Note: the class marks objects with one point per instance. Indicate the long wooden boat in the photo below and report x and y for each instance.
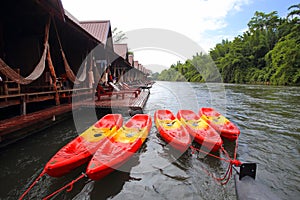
(202, 132)
(81, 149)
(171, 130)
(124, 143)
(220, 123)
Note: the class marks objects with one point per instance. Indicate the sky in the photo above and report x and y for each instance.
(204, 22)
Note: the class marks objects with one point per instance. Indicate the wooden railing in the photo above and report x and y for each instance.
(24, 98)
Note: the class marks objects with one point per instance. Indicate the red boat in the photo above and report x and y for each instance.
(124, 143)
(81, 149)
(220, 123)
(171, 130)
(202, 133)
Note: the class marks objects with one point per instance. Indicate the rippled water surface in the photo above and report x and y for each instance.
(267, 116)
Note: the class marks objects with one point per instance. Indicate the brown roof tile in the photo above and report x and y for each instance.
(99, 29)
(121, 50)
(79, 26)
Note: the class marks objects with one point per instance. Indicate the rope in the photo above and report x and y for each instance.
(212, 155)
(225, 152)
(223, 180)
(70, 74)
(53, 76)
(69, 186)
(232, 162)
(33, 184)
(38, 70)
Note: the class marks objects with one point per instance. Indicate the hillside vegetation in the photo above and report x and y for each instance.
(268, 52)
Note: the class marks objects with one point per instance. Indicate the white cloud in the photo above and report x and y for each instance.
(151, 59)
(191, 18)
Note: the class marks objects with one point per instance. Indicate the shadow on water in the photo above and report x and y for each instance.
(105, 188)
(24, 160)
(109, 186)
(208, 161)
(174, 156)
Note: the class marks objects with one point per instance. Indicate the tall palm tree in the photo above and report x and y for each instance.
(118, 36)
(295, 11)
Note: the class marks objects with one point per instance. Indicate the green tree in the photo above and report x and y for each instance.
(268, 52)
(284, 60)
(118, 36)
(295, 11)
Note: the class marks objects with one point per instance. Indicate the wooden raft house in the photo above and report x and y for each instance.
(51, 63)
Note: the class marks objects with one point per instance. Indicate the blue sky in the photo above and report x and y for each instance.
(205, 22)
(237, 21)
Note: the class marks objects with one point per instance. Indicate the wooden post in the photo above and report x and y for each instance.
(23, 105)
(1, 39)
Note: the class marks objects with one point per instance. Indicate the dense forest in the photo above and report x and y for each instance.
(268, 52)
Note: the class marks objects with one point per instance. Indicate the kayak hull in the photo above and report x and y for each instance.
(200, 131)
(120, 148)
(220, 123)
(171, 130)
(81, 149)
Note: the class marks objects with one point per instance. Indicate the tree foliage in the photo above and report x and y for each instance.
(118, 36)
(268, 52)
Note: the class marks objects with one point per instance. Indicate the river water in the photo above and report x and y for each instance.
(267, 116)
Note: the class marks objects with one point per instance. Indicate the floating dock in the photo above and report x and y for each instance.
(15, 128)
(129, 101)
(40, 73)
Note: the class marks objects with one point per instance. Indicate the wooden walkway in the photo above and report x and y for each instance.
(129, 101)
(15, 128)
(24, 98)
(18, 127)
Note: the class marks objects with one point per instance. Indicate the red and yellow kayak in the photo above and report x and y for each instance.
(202, 133)
(81, 149)
(122, 145)
(220, 123)
(171, 130)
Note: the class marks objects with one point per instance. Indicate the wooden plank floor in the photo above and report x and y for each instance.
(19, 122)
(21, 125)
(129, 101)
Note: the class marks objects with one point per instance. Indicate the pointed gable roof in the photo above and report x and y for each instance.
(121, 50)
(99, 29)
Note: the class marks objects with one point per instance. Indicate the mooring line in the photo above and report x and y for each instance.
(33, 184)
(232, 162)
(69, 186)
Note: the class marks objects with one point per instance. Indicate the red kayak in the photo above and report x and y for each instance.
(202, 133)
(171, 130)
(220, 123)
(124, 143)
(81, 149)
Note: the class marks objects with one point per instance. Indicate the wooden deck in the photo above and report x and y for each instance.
(18, 127)
(129, 101)
(15, 99)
